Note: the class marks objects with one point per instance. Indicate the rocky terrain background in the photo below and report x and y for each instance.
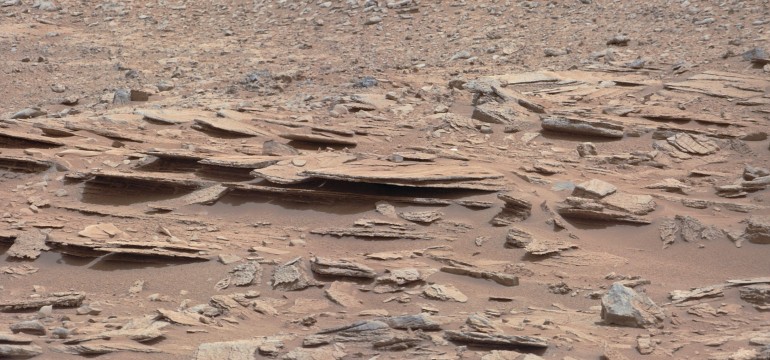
(384, 179)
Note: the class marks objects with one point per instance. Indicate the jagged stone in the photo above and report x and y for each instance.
(425, 217)
(758, 294)
(341, 267)
(444, 293)
(494, 340)
(58, 300)
(624, 306)
(587, 127)
(32, 327)
(498, 277)
(413, 322)
(291, 276)
(594, 189)
(16, 351)
(693, 144)
(758, 230)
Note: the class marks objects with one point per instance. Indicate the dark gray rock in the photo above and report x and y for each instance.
(121, 97)
(366, 82)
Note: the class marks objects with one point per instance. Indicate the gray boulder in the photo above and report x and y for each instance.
(625, 307)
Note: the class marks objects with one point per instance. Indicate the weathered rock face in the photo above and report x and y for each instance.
(589, 209)
(758, 294)
(517, 207)
(624, 306)
(341, 267)
(758, 230)
(291, 276)
(688, 229)
(693, 144)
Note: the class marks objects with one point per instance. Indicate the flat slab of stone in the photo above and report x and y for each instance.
(494, 340)
(229, 126)
(27, 140)
(320, 138)
(171, 116)
(594, 189)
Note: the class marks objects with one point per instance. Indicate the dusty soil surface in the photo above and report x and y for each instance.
(395, 179)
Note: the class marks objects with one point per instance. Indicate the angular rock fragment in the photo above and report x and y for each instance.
(25, 164)
(241, 162)
(58, 300)
(444, 293)
(517, 238)
(10, 138)
(274, 148)
(413, 322)
(376, 232)
(341, 267)
(517, 207)
(402, 277)
(688, 229)
(494, 340)
(495, 114)
(320, 138)
(594, 189)
(231, 350)
(410, 174)
(670, 185)
(693, 144)
(32, 327)
(587, 127)
(28, 113)
(369, 331)
(291, 276)
(246, 274)
(180, 318)
(680, 296)
(588, 209)
(341, 294)
(401, 342)
(758, 230)
(229, 126)
(548, 247)
(624, 306)
(587, 149)
(28, 245)
(498, 277)
(480, 323)
(92, 349)
(630, 203)
(425, 217)
(758, 294)
(19, 351)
